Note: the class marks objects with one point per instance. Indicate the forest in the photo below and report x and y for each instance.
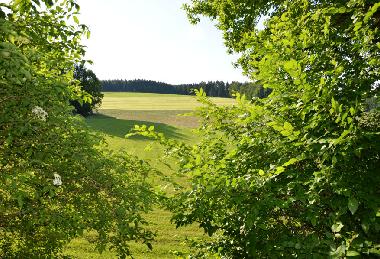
(291, 175)
(213, 89)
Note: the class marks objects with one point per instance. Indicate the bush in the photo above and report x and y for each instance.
(295, 174)
(56, 179)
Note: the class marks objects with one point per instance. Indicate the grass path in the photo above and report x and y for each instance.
(117, 115)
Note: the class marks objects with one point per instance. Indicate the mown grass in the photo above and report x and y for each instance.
(148, 101)
(117, 116)
(169, 240)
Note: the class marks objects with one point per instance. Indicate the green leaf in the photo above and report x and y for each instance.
(286, 133)
(344, 134)
(352, 253)
(344, 116)
(371, 12)
(290, 65)
(288, 126)
(280, 169)
(290, 162)
(200, 92)
(353, 205)
(352, 111)
(76, 20)
(358, 25)
(334, 104)
(337, 227)
(198, 160)
(365, 227)
(5, 54)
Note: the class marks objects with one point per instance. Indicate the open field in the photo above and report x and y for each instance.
(159, 108)
(117, 116)
(148, 101)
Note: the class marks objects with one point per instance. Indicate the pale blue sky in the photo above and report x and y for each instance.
(152, 39)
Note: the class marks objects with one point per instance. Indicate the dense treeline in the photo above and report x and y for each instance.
(211, 88)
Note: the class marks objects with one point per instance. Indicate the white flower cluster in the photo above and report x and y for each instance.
(57, 180)
(40, 113)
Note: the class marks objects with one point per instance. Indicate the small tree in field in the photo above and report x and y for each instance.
(295, 174)
(90, 84)
(56, 180)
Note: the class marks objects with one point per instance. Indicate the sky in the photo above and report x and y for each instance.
(152, 39)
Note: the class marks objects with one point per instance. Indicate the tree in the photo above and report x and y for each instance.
(295, 174)
(249, 89)
(216, 89)
(91, 85)
(56, 179)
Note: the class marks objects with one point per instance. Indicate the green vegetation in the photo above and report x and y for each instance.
(120, 112)
(216, 89)
(149, 101)
(294, 175)
(89, 84)
(57, 180)
(116, 118)
(169, 242)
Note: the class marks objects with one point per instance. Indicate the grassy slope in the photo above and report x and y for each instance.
(118, 114)
(147, 101)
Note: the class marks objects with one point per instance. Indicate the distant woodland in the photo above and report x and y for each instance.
(212, 88)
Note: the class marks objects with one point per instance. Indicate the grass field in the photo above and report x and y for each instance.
(159, 108)
(116, 117)
(148, 101)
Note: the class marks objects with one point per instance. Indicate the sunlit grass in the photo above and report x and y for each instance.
(117, 116)
(169, 240)
(147, 101)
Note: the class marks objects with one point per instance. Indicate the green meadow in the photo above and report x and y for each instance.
(115, 118)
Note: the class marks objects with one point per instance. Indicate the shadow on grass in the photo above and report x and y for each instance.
(120, 127)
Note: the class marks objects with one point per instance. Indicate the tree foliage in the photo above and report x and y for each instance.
(212, 88)
(56, 180)
(90, 84)
(295, 174)
(249, 89)
(217, 88)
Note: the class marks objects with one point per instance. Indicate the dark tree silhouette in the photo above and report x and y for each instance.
(211, 88)
(90, 84)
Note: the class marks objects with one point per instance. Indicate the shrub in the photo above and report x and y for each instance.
(56, 179)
